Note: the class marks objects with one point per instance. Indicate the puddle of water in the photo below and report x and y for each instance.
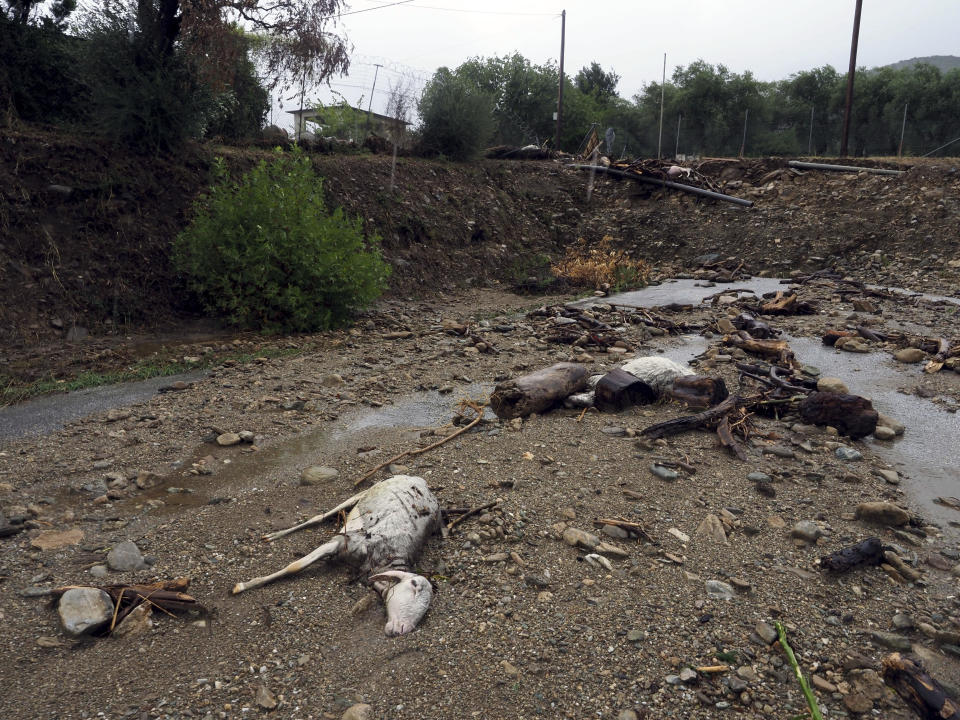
(422, 409)
(924, 455)
(686, 292)
(692, 292)
(51, 412)
(284, 461)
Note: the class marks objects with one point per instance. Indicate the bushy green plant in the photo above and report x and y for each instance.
(267, 253)
(457, 117)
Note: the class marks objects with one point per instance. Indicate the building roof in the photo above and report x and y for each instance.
(307, 113)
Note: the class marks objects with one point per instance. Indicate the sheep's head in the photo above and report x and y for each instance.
(407, 597)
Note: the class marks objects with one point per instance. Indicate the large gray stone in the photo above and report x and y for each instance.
(125, 557)
(84, 610)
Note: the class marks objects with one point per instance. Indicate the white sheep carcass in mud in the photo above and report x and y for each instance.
(657, 372)
(387, 527)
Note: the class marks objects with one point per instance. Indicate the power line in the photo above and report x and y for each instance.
(378, 7)
(485, 12)
(462, 10)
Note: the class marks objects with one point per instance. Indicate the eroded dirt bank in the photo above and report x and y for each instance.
(86, 233)
(522, 624)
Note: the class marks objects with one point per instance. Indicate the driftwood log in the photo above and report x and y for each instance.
(773, 349)
(919, 691)
(537, 391)
(689, 422)
(851, 415)
(787, 304)
(698, 391)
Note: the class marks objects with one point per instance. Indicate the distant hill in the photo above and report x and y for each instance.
(944, 62)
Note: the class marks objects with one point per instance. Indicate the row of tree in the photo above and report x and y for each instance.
(706, 109)
(155, 72)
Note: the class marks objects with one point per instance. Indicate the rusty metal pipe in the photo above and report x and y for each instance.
(667, 183)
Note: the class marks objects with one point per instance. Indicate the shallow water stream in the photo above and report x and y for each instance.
(926, 455)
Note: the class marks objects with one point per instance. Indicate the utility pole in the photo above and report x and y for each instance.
(850, 74)
(676, 147)
(563, 39)
(903, 127)
(743, 145)
(372, 90)
(662, 83)
(810, 139)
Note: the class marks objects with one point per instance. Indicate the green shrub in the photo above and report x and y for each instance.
(266, 252)
(457, 117)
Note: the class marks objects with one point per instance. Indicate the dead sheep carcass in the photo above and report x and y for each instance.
(384, 534)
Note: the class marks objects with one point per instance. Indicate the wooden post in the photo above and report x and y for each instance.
(563, 39)
(850, 73)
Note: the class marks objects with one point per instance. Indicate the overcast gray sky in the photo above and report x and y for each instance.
(772, 38)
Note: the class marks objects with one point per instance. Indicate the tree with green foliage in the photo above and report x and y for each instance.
(143, 93)
(240, 102)
(524, 96)
(266, 253)
(594, 81)
(457, 116)
(37, 80)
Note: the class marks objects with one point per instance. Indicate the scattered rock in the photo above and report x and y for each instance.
(146, 480)
(832, 384)
(890, 476)
(891, 640)
(852, 344)
(228, 439)
(766, 632)
(807, 530)
(848, 454)
(318, 475)
(84, 610)
(360, 711)
(719, 590)
(887, 421)
(664, 473)
(909, 355)
(125, 557)
(884, 433)
(857, 703)
(575, 537)
(882, 513)
(137, 622)
(712, 529)
(265, 698)
(54, 540)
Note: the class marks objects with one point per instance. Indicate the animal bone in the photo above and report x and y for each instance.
(384, 534)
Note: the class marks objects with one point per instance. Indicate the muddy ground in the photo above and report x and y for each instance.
(522, 624)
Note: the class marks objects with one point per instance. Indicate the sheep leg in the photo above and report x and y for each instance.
(316, 519)
(324, 552)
